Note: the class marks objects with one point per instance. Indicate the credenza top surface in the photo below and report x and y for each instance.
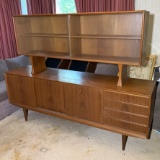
(132, 86)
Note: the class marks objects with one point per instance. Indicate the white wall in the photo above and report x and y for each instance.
(153, 46)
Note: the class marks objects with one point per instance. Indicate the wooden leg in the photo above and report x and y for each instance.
(25, 111)
(124, 141)
(38, 64)
(122, 74)
(149, 135)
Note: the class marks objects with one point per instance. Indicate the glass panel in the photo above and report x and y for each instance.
(63, 6)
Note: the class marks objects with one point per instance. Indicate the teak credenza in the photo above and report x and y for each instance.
(114, 103)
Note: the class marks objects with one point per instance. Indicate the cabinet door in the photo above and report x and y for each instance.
(83, 102)
(21, 90)
(74, 100)
(55, 96)
(88, 103)
(50, 95)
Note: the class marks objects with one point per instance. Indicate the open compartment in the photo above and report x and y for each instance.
(108, 38)
(114, 24)
(52, 62)
(107, 50)
(42, 33)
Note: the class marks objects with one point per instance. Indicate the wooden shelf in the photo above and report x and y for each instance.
(44, 35)
(107, 59)
(49, 54)
(108, 37)
(89, 58)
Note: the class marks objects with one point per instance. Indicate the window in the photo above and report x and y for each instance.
(62, 6)
(24, 7)
(65, 6)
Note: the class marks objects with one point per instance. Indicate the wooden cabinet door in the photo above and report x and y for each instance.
(83, 102)
(74, 100)
(88, 103)
(49, 95)
(21, 90)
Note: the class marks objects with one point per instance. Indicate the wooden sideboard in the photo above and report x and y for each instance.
(88, 98)
(85, 97)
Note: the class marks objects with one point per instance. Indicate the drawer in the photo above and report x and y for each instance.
(130, 118)
(115, 123)
(126, 107)
(128, 98)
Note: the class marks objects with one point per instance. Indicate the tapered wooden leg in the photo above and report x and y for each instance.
(25, 111)
(122, 74)
(124, 141)
(149, 135)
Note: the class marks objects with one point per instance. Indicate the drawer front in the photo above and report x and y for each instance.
(128, 98)
(130, 118)
(126, 107)
(129, 127)
(128, 112)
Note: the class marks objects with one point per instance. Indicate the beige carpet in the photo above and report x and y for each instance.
(48, 138)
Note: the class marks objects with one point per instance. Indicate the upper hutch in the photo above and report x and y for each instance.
(115, 37)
